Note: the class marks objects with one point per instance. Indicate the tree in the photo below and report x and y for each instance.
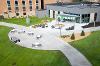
(82, 33)
(73, 37)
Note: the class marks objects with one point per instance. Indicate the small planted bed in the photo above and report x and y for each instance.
(22, 20)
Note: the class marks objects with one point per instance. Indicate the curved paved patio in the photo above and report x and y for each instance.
(49, 41)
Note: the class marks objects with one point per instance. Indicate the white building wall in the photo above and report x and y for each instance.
(51, 13)
(92, 17)
(61, 12)
(56, 12)
(92, 0)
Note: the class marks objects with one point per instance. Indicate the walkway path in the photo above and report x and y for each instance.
(49, 41)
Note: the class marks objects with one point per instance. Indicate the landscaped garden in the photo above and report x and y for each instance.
(90, 47)
(14, 55)
(22, 21)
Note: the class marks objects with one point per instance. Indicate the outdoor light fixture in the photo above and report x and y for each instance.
(59, 25)
(27, 20)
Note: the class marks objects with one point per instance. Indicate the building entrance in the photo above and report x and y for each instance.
(68, 18)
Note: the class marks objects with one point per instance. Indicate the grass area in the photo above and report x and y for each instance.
(22, 21)
(90, 47)
(12, 54)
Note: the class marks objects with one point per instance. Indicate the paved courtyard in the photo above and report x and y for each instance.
(49, 40)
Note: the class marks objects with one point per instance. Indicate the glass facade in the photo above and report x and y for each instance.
(68, 17)
(85, 18)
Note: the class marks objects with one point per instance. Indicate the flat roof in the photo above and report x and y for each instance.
(76, 4)
(70, 15)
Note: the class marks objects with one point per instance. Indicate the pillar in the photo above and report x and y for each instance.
(80, 18)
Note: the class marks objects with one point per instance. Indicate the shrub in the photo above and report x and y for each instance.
(82, 33)
(14, 64)
(73, 37)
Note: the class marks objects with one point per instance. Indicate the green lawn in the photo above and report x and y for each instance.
(90, 47)
(22, 21)
(11, 54)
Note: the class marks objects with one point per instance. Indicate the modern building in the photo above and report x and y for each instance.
(85, 12)
(92, 0)
(12, 8)
(18, 8)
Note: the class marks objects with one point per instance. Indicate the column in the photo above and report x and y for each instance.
(92, 17)
(80, 18)
(51, 13)
(56, 13)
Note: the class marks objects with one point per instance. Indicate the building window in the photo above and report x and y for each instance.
(85, 18)
(16, 3)
(82, 16)
(53, 14)
(37, 4)
(23, 3)
(37, 7)
(10, 11)
(49, 13)
(95, 16)
(16, 9)
(30, 2)
(42, 4)
(58, 12)
(24, 8)
(9, 8)
(37, 1)
(17, 14)
(30, 8)
(65, 12)
(24, 13)
(8, 2)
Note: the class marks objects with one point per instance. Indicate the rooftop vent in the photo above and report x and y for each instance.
(59, 3)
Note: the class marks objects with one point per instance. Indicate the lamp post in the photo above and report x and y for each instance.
(94, 23)
(27, 20)
(75, 22)
(59, 25)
